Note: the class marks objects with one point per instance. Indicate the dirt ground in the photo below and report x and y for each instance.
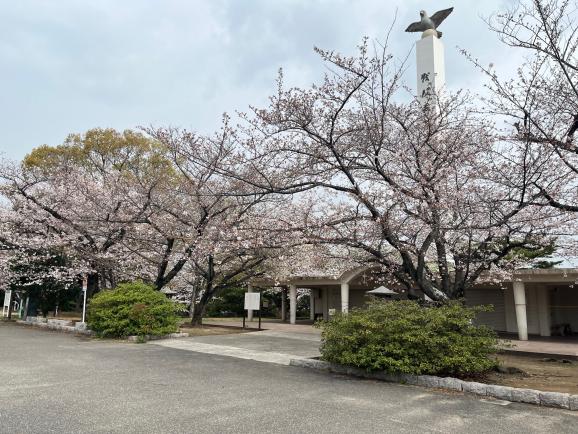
(208, 330)
(539, 372)
(72, 316)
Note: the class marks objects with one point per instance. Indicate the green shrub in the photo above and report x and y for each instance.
(405, 337)
(229, 302)
(132, 309)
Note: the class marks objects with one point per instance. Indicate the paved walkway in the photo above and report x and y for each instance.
(269, 346)
(302, 327)
(563, 346)
(281, 342)
(554, 346)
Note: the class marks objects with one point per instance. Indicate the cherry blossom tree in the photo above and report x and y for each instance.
(424, 189)
(82, 198)
(124, 206)
(212, 232)
(541, 101)
(428, 190)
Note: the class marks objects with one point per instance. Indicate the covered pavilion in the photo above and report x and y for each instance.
(539, 302)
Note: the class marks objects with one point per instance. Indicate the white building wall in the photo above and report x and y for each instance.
(564, 306)
(510, 311)
(532, 310)
(503, 318)
(335, 299)
(495, 319)
(357, 298)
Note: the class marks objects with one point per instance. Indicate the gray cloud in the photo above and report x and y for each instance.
(68, 66)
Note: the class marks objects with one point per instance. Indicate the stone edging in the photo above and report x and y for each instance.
(57, 325)
(66, 326)
(61, 325)
(156, 338)
(528, 396)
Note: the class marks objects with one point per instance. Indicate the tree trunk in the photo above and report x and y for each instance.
(200, 307)
(25, 316)
(198, 312)
(192, 302)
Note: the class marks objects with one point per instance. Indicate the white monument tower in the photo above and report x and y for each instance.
(430, 65)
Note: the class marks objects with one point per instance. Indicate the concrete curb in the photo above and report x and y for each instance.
(147, 338)
(527, 396)
(58, 325)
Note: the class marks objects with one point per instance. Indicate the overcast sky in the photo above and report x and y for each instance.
(68, 65)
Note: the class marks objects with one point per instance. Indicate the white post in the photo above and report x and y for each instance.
(543, 300)
(249, 311)
(292, 304)
(84, 290)
(430, 65)
(6, 309)
(344, 297)
(312, 305)
(520, 302)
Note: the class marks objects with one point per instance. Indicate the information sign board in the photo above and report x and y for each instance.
(252, 300)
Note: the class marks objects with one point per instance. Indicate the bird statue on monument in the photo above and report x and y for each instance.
(429, 23)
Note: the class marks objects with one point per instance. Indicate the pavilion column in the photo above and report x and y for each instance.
(284, 304)
(520, 302)
(249, 311)
(344, 297)
(311, 305)
(292, 304)
(543, 301)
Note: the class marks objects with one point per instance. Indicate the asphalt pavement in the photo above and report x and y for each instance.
(57, 383)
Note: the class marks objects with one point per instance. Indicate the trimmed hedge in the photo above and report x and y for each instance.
(132, 309)
(406, 337)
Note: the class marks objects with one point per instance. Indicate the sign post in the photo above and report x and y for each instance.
(6, 309)
(252, 302)
(84, 290)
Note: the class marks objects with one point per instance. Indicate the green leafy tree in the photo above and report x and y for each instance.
(45, 277)
(93, 196)
(229, 303)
